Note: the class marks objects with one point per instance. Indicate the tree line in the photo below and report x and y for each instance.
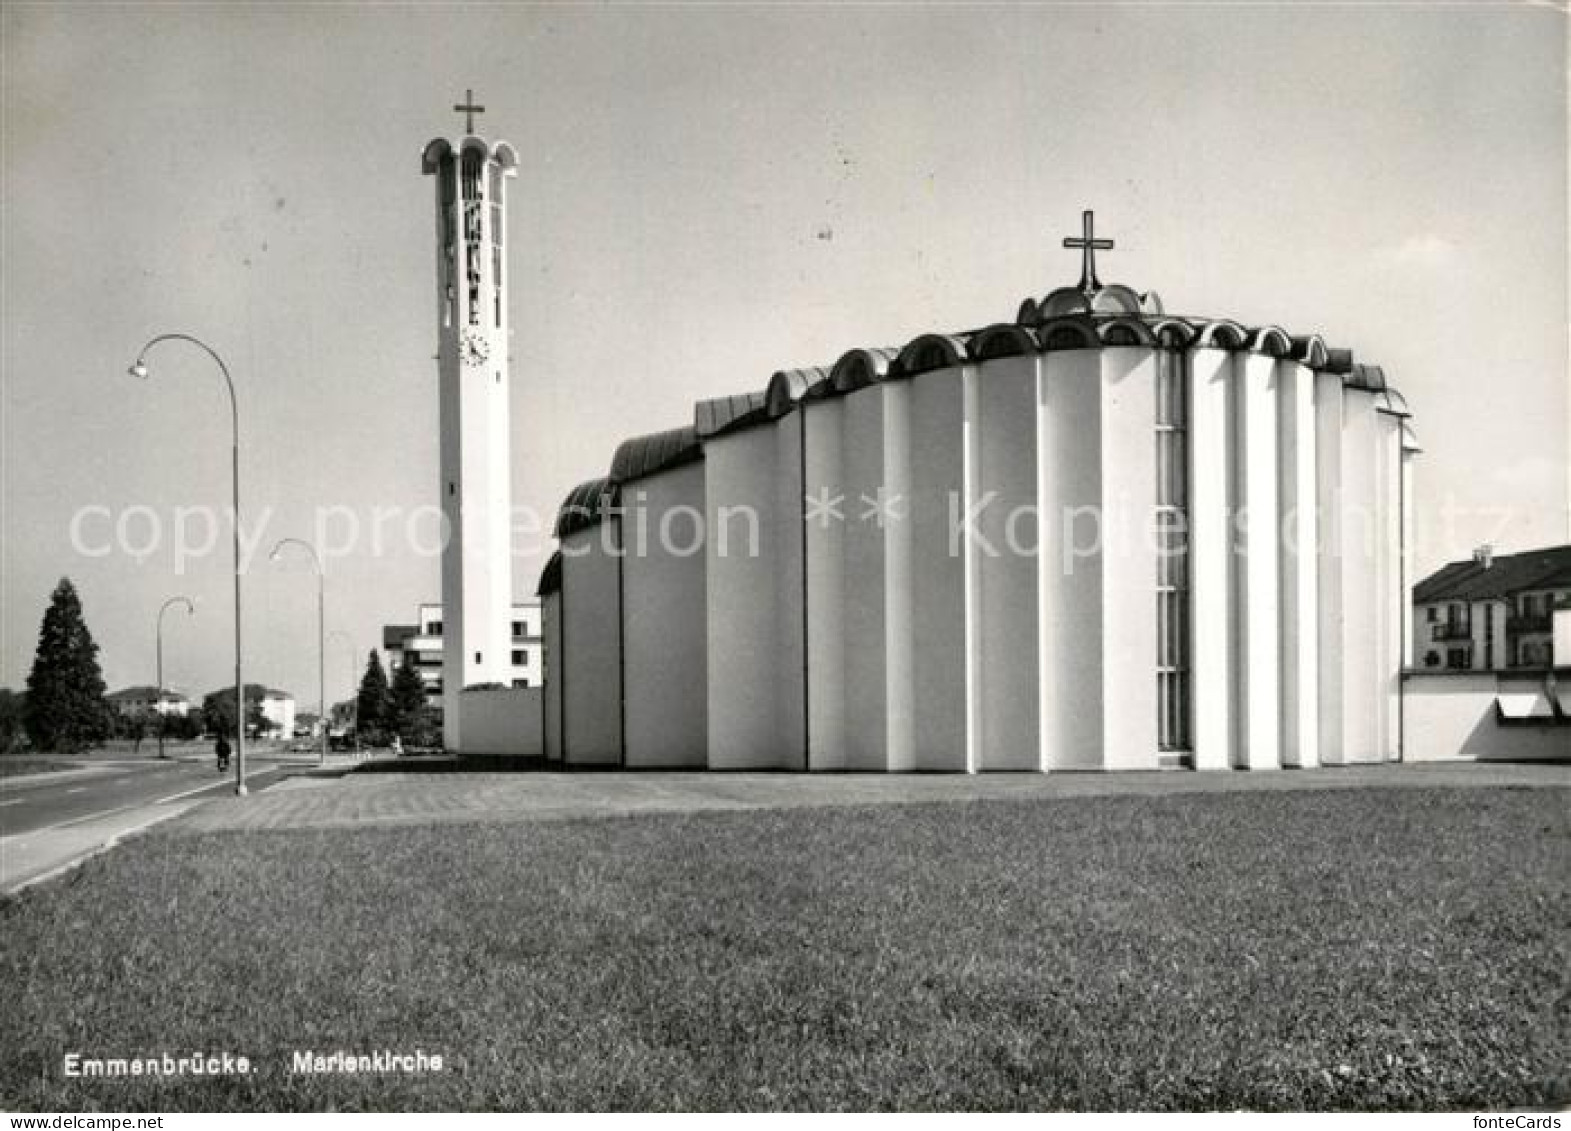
(398, 707)
(65, 707)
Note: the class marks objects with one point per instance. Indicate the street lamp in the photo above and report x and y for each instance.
(190, 610)
(321, 640)
(139, 369)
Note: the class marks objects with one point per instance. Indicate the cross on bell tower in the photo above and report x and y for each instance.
(468, 109)
(1089, 246)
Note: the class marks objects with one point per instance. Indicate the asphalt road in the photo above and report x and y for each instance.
(60, 799)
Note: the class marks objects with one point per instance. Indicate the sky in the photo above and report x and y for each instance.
(707, 194)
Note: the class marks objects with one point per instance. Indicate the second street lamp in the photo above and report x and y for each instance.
(190, 610)
(321, 640)
(354, 704)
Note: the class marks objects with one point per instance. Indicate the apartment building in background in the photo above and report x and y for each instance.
(1493, 612)
(421, 644)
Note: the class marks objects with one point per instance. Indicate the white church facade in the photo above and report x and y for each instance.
(1093, 537)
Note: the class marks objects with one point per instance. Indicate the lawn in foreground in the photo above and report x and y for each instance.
(1382, 948)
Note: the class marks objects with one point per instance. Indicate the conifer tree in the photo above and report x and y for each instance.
(374, 700)
(406, 700)
(65, 707)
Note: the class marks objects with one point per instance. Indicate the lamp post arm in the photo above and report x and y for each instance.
(234, 410)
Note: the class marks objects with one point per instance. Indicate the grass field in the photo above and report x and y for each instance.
(1369, 949)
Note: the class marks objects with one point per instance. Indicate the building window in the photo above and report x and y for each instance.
(520, 683)
(1489, 636)
(520, 657)
(1172, 562)
(435, 629)
(477, 657)
(1434, 614)
(518, 630)
(1456, 659)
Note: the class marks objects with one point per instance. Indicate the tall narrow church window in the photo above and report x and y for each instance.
(1172, 557)
(473, 165)
(449, 251)
(495, 199)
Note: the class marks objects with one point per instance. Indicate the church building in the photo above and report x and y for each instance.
(1095, 536)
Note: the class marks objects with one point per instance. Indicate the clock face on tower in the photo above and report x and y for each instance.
(473, 349)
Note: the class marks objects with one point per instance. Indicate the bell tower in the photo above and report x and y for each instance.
(476, 466)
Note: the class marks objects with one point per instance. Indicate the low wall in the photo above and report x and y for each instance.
(1452, 717)
(502, 721)
(1447, 717)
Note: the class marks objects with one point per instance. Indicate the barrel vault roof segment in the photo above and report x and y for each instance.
(1003, 339)
(721, 414)
(655, 451)
(927, 352)
(584, 506)
(1364, 376)
(858, 368)
(550, 576)
(789, 387)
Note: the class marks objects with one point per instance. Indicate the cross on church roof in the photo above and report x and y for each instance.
(1089, 246)
(468, 109)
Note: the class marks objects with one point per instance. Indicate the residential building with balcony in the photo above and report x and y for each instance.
(1493, 612)
(421, 644)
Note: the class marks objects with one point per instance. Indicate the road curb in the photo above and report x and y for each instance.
(113, 841)
(142, 818)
